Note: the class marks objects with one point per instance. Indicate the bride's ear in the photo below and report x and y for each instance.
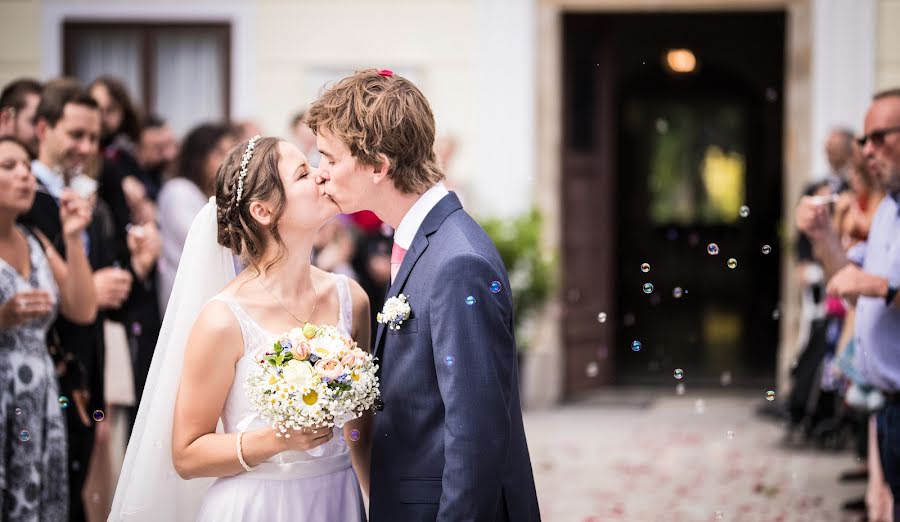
(261, 213)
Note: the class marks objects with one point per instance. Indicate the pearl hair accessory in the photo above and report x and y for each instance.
(245, 161)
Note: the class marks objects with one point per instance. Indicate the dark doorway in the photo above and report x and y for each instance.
(672, 141)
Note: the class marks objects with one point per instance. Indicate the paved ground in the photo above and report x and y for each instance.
(655, 456)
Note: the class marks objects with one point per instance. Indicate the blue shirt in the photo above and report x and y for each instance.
(877, 328)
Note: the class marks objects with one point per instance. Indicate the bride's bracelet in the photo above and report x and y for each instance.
(240, 452)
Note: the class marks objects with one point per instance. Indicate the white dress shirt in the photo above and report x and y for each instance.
(413, 219)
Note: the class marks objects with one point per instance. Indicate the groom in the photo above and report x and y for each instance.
(448, 441)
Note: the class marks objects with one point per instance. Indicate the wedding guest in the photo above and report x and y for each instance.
(305, 138)
(121, 127)
(335, 248)
(36, 284)
(246, 129)
(68, 131)
(868, 276)
(156, 153)
(839, 151)
(182, 197)
(18, 101)
(121, 140)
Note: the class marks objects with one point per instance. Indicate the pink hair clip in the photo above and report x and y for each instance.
(385, 72)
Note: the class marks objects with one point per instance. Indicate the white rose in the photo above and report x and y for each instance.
(297, 373)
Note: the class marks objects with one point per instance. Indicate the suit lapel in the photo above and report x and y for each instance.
(448, 205)
(419, 244)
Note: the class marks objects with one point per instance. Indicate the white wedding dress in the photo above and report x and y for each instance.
(296, 486)
(293, 486)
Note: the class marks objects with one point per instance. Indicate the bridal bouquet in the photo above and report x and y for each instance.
(311, 377)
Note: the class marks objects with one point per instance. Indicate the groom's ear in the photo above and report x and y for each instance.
(381, 171)
(261, 213)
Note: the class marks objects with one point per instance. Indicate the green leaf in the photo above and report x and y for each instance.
(278, 347)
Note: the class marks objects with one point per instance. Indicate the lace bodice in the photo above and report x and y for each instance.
(237, 414)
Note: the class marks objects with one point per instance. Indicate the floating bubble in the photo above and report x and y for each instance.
(24, 435)
(712, 249)
(636, 346)
(732, 263)
(770, 395)
(662, 126)
(680, 388)
(766, 249)
(729, 435)
(470, 300)
(136, 329)
(18, 411)
(745, 211)
(648, 288)
(679, 373)
(677, 292)
(354, 435)
(98, 415)
(495, 287)
(645, 267)
(700, 406)
(720, 515)
(592, 369)
(776, 314)
(63, 402)
(725, 379)
(450, 360)
(771, 95)
(601, 317)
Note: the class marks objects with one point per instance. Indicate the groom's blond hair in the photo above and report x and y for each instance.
(378, 112)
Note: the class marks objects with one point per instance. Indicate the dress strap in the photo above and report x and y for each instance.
(254, 334)
(346, 303)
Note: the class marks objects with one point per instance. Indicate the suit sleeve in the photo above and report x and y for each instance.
(474, 353)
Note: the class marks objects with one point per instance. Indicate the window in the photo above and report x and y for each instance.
(178, 71)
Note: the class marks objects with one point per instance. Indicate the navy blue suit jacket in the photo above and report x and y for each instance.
(449, 444)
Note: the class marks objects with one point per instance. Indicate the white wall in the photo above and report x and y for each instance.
(506, 107)
(843, 72)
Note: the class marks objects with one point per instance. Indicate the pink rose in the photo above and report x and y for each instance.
(348, 359)
(300, 351)
(330, 368)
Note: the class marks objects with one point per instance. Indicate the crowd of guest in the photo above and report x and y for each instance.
(96, 199)
(846, 380)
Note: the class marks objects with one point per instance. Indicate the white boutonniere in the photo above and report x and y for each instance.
(395, 311)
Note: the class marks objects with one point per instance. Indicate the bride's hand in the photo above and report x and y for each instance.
(307, 438)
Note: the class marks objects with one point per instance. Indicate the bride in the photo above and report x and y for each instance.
(198, 451)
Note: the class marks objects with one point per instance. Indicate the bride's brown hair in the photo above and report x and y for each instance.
(238, 231)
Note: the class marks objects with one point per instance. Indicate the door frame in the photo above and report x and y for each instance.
(550, 121)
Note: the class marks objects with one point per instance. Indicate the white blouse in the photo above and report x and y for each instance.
(180, 200)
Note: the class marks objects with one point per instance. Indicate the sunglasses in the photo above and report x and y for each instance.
(877, 136)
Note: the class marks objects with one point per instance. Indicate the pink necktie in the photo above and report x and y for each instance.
(397, 254)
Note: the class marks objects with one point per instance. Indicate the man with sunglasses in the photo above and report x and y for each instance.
(868, 276)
